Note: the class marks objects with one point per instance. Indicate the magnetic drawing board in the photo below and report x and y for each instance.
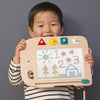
(55, 61)
(60, 63)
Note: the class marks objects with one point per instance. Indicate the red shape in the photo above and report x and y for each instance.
(41, 42)
(68, 59)
(71, 52)
(63, 54)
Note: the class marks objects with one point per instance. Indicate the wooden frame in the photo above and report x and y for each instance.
(30, 60)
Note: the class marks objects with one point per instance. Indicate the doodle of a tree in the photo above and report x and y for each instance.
(54, 69)
(45, 70)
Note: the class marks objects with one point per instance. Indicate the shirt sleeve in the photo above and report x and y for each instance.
(14, 74)
(79, 87)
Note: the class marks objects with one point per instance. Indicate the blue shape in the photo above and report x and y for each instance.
(62, 66)
(64, 40)
(73, 71)
(64, 76)
(85, 81)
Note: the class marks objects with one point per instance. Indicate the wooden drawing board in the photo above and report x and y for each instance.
(55, 61)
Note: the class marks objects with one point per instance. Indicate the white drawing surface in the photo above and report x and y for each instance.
(63, 63)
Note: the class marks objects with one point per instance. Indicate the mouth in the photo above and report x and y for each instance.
(48, 35)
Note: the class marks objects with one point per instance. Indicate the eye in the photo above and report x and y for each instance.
(53, 24)
(40, 25)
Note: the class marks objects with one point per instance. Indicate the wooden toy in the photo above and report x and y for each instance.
(55, 61)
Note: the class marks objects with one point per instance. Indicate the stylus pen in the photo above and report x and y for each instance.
(84, 93)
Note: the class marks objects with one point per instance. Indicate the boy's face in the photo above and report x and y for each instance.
(46, 24)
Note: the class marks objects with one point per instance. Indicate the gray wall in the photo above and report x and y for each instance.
(80, 17)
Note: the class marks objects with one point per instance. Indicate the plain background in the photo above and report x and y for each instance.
(80, 17)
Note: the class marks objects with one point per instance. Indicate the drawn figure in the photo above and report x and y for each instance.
(71, 51)
(75, 40)
(61, 64)
(72, 71)
(68, 59)
(54, 69)
(76, 59)
(45, 56)
(63, 53)
(45, 68)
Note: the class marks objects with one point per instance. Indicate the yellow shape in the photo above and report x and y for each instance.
(53, 41)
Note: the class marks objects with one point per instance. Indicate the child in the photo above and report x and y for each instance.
(45, 19)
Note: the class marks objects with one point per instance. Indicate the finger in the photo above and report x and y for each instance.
(23, 46)
(88, 59)
(91, 63)
(86, 56)
(23, 43)
(89, 50)
(23, 40)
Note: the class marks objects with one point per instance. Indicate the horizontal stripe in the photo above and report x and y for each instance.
(51, 96)
(14, 74)
(46, 93)
(16, 65)
(35, 92)
(14, 68)
(57, 99)
(15, 78)
(57, 88)
(18, 82)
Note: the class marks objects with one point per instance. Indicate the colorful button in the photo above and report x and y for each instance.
(85, 81)
(53, 41)
(64, 40)
(75, 40)
(41, 42)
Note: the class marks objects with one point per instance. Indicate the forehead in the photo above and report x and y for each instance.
(45, 15)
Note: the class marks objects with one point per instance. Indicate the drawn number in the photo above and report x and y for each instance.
(60, 62)
(56, 54)
(76, 59)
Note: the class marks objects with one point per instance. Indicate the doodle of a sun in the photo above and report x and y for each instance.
(45, 56)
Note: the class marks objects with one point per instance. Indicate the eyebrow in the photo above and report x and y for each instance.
(50, 21)
(39, 22)
(55, 20)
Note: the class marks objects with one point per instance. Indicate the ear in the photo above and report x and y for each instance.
(62, 30)
(30, 32)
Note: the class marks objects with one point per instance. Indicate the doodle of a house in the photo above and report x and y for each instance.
(71, 71)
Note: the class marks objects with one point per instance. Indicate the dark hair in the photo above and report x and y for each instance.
(44, 6)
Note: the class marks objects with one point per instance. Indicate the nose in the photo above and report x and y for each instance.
(47, 29)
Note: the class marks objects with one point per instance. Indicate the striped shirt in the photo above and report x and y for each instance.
(33, 93)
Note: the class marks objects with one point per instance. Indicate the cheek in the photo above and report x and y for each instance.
(38, 32)
(56, 31)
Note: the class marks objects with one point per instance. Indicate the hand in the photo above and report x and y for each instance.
(21, 46)
(89, 58)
